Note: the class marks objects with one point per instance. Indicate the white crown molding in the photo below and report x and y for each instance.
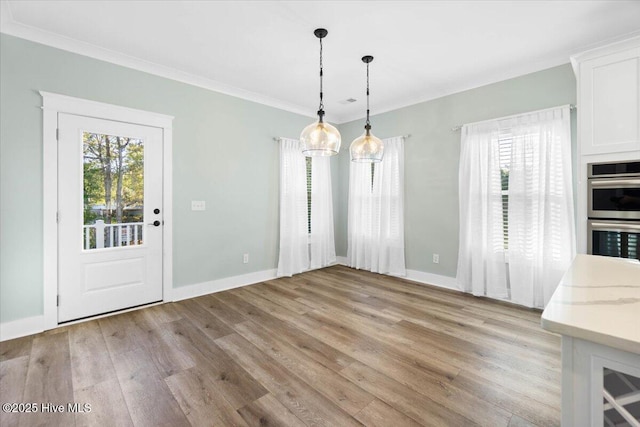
(508, 73)
(9, 26)
(623, 42)
(619, 42)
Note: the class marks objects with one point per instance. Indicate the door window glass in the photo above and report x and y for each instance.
(113, 191)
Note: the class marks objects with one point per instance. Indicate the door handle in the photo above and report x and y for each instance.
(614, 226)
(155, 223)
(615, 183)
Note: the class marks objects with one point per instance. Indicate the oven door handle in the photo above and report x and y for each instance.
(614, 226)
(619, 183)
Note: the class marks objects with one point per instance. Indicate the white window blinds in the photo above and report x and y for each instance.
(376, 212)
(516, 198)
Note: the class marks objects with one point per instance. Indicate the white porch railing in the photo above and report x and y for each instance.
(101, 235)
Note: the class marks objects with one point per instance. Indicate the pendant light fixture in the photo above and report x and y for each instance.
(367, 148)
(320, 138)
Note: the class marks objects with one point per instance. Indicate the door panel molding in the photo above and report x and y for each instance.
(78, 296)
(52, 105)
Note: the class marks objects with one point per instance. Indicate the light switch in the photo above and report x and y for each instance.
(198, 205)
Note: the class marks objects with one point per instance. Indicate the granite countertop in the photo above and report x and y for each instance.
(598, 300)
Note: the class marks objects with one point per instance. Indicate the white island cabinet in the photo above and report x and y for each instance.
(596, 309)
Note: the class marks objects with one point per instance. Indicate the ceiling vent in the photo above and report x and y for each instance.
(348, 101)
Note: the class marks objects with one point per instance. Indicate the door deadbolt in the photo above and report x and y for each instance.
(156, 211)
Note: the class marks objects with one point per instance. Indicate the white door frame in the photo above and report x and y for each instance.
(52, 104)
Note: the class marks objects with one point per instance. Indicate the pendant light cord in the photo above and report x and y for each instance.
(368, 123)
(321, 108)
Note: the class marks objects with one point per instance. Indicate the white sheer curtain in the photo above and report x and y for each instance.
(482, 268)
(294, 238)
(376, 212)
(322, 243)
(299, 249)
(360, 235)
(541, 218)
(540, 242)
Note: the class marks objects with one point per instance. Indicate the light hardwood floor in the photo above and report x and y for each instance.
(331, 347)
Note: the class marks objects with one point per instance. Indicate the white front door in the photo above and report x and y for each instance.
(109, 216)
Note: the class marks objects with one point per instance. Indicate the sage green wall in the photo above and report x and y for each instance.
(223, 153)
(432, 154)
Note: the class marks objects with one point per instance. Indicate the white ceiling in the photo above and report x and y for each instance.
(266, 51)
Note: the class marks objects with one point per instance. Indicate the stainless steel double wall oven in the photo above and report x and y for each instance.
(613, 226)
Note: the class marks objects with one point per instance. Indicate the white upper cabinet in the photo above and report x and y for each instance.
(609, 98)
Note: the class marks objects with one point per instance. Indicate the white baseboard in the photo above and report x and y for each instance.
(433, 279)
(204, 288)
(21, 327)
(420, 277)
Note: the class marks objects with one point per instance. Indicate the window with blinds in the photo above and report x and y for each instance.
(616, 244)
(632, 246)
(308, 165)
(504, 146)
(373, 174)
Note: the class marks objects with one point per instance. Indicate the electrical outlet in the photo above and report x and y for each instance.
(198, 205)
(436, 258)
(245, 259)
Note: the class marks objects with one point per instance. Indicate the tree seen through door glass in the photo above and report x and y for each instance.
(113, 193)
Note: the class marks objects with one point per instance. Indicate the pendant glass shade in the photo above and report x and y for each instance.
(320, 139)
(366, 149)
